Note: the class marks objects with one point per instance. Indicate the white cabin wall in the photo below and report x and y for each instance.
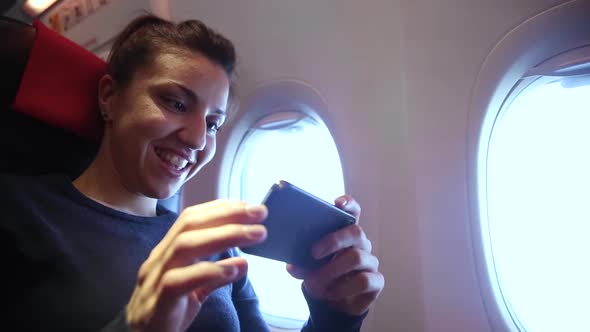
(397, 77)
(349, 51)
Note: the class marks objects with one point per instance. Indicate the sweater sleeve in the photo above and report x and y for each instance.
(325, 319)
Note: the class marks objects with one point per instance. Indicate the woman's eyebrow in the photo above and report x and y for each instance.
(186, 91)
(194, 98)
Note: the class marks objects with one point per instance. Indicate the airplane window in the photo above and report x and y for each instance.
(537, 195)
(292, 146)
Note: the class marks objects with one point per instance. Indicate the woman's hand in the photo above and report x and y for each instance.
(173, 282)
(350, 282)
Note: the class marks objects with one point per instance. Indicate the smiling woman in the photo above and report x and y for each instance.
(101, 246)
(168, 116)
(165, 95)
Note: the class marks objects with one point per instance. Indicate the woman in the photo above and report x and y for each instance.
(98, 253)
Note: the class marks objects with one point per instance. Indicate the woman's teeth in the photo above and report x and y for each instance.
(173, 159)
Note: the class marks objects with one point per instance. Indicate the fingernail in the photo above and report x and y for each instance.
(229, 271)
(256, 232)
(343, 202)
(256, 211)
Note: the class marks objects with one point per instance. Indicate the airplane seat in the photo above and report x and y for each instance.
(14, 56)
(49, 120)
(49, 117)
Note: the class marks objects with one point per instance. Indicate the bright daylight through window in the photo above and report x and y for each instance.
(294, 147)
(538, 198)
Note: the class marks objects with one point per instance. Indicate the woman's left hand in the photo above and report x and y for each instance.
(350, 282)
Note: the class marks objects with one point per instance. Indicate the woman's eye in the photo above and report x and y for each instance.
(175, 104)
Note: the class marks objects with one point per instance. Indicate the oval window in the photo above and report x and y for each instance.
(537, 178)
(292, 146)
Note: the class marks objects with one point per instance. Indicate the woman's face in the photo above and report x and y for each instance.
(164, 122)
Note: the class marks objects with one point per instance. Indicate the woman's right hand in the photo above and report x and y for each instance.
(173, 282)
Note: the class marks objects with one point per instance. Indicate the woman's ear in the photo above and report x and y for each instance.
(106, 96)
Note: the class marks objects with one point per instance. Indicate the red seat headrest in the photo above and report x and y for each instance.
(60, 85)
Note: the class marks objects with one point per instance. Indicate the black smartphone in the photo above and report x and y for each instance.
(296, 220)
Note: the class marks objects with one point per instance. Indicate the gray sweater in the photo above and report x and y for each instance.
(70, 264)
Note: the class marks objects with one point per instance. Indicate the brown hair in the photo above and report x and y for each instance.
(147, 35)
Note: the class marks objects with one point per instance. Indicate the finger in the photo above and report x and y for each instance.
(350, 236)
(355, 285)
(176, 228)
(214, 214)
(221, 214)
(202, 216)
(349, 204)
(297, 272)
(351, 260)
(239, 262)
(203, 277)
(192, 245)
(231, 212)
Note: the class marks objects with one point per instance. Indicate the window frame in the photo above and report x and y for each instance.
(268, 98)
(506, 72)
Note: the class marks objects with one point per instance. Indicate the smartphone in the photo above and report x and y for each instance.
(296, 220)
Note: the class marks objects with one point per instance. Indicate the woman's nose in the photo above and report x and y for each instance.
(194, 134)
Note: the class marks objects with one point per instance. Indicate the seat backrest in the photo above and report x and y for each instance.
(44, 109)
(17, 40)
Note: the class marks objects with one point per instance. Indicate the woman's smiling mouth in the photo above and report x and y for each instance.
(173, 160)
